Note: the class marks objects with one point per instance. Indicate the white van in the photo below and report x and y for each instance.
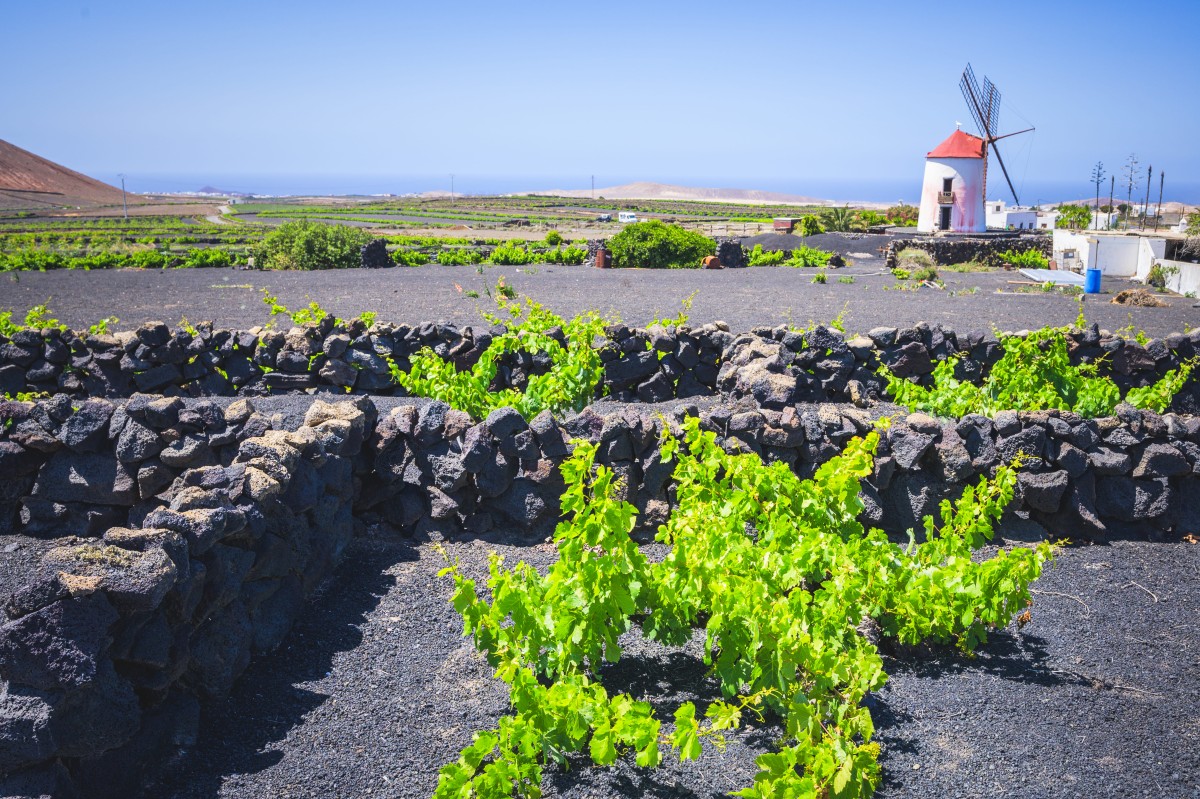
(627, 216)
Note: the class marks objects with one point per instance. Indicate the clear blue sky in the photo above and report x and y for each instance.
(748, 93)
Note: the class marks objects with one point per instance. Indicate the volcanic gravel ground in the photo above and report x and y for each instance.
(375, 689)
(744, 298)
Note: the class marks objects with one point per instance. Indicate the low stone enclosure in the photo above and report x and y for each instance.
(180, 537)
(778, 365)
(966, 249)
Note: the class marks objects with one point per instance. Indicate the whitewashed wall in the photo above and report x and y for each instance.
(967, 215)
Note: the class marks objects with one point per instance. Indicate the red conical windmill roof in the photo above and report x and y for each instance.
(958, 145)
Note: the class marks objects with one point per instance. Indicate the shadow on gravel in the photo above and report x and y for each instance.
(237, 732)
(1008, 655)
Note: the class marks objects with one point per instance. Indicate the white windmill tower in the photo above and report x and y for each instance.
(955, 185)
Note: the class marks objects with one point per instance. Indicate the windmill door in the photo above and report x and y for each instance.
(944, 220)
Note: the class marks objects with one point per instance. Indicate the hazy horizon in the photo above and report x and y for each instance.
(877, 191)
(756, 96)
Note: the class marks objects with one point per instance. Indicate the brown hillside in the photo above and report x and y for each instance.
(28, 181)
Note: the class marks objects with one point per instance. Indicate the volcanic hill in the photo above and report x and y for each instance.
(28, 181)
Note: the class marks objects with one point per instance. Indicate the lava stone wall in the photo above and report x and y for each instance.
(779, 366)
(650, 365)
(80, 467)
(960, 250)
(110, 647)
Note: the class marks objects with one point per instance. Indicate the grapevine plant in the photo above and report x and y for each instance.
(1035, 373)
(575, 365)
(780, 575)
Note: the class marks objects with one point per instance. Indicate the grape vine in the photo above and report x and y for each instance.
(1035, 373)
(779, 573)
(575, 365)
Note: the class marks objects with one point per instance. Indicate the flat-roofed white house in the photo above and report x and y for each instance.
(1001, 216)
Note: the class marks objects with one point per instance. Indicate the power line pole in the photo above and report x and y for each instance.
(1146, 201)
(1111, 187)
(452, 188)
(593, 187)
(124, 205)
(1162, 176)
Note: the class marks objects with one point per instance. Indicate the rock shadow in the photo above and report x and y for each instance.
(268, 700)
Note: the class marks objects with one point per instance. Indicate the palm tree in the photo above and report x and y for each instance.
(840, 219)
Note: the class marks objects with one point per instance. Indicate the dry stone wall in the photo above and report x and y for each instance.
(961, 250)
(649, 365)
(112, 644)
(185, 536)
(108, 649)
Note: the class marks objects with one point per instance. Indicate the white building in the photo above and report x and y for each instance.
(1114, 254)
(1004, 217)
(1047, 220)
(952, 192)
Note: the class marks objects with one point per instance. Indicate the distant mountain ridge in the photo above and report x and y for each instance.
(645, 190)
(28, 181)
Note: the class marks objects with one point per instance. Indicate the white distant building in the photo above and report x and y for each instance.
(1005, 217)
(1047, 220)
(1114, 254)
(952, 193)
(1127, 255)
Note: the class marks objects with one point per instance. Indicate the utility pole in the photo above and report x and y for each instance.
(124, 205)
(1146, 201)
(1162, 176)
(452, 188)
(1111, 187)
(593, 187)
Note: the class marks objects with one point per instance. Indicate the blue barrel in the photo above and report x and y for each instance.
(1091, 282)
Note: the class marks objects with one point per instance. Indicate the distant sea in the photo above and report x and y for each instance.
(881, 190)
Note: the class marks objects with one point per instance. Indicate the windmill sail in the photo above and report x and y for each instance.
(984, 105)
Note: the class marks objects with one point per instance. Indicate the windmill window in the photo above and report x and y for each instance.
(947, 184)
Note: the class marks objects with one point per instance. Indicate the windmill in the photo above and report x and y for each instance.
(984, 105)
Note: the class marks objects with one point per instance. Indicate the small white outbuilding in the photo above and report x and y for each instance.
(1001, 216)
(952, 194)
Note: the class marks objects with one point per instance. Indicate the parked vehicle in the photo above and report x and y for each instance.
(627, 216)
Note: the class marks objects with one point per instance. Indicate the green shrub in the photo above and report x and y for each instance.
(207, 257)
(808, 256)
(655, 245)
(900, 273)
(553, 238)
(510, 254)
(410, 258)
(459, 256)
(571, 255)
(912, 258)
(760, 257)
(1027, 259)
(925, 273)
(819, 277)
(1073, 217)
(304, 244)
(810, 225)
